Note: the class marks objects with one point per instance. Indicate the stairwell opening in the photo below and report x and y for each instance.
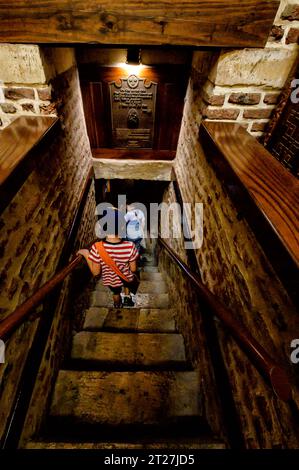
(133, 110)
(238, 273)
(140, 357)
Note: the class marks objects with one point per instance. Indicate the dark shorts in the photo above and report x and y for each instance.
(133, 286)
(115, 290)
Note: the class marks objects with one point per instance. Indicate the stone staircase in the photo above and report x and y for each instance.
(128, 382)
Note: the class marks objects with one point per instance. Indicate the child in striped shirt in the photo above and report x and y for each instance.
(124, 254)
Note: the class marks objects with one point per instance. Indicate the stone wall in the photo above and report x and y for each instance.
(244, 85)
(234, 267)
(35, 225)
(86, 232)
(60, 336)
(25, 75)
(189, 320)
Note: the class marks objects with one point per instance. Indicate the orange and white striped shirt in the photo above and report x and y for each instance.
(122, 253)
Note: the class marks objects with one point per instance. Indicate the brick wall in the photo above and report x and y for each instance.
(24, 88)
(189, 319)
(235, 268)
(60, 336)
(86, 232)
(244, 85)
(20, 100)
(26, 72)
(35, 225)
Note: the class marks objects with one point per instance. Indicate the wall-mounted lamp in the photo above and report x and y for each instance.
(133, 56)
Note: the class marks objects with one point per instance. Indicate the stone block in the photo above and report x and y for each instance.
(19, 93)
(253, 67)
(128, 319)
(291, 12)
(258, 126)
(129, 349)
(213, 100)
(21, 63)
(44, 94)
(8, 108)
(263, 113)
(276, 33)
(133, 169)
(221, 113)
(244, 98)
(271, 98)
(28, 107)
(293, 36)
(47, 109)
(126, 398)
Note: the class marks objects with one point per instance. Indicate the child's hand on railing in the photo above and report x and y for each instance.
(83, 252)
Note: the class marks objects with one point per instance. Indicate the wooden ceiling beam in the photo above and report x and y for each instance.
(220, 23)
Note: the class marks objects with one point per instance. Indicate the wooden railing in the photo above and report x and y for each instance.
(273, 189)
(18, 151)
(50, 295)
(22, 312)
(19, 138)
(273, 371)
(263, 192)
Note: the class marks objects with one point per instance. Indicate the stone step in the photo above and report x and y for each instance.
(145, 287)
(150, 276)
(150, 269)
(132, 319)
(148, 261)
(104, 299)
(129, 350)
(126, 398)
(193, 443)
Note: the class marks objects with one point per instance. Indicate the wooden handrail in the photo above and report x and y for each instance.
(21, 313)
(274, 372)
(271, 187)
(19, 138)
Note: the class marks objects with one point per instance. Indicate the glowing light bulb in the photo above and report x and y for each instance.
(131, 69)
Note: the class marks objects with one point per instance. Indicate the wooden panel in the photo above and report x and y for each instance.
(170, 101)
(282, 136)
(166, 73)
(284, 142)
(172, 84)
(95, 106)
(133, 154)
(199, 23)
(19, 138)
(272, 188)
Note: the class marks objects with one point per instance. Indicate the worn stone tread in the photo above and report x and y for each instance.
(151, 276)
(161, 444)
(150, 269)
(150, 300)
(126, 398)
(133, 319)
(145, 286)
(129, 349)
